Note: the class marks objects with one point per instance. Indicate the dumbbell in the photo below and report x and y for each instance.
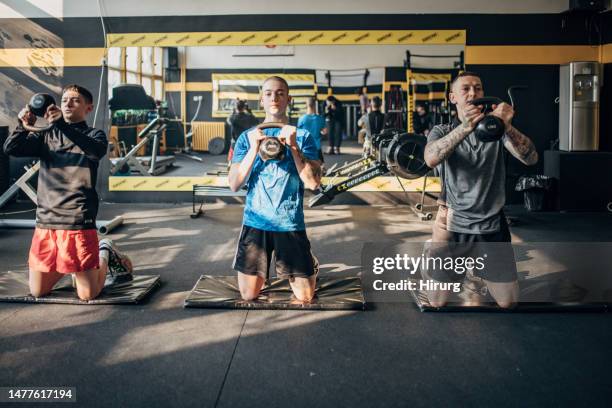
(271, 148)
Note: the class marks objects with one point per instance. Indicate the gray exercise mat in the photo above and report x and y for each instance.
(487, 304)
(222, 292)
(14, 288)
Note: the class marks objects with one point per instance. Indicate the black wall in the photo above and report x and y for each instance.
(537, 115)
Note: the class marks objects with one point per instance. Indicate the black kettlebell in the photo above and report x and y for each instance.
(39, 103)
(271, 148)
(490, 128)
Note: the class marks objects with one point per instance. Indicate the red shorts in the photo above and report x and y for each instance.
(64, 251)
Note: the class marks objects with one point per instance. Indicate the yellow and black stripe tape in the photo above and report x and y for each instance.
(379, 184)
(312, 37)
(425, 77)
(260, 77)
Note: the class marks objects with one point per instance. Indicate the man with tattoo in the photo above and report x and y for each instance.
(273, 214)
(473, 187)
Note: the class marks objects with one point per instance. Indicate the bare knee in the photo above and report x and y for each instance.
(87, 294)
(506, 304)
(437, 298)
(305, 295)
(437, 303)
(39, 292)
(249, 294)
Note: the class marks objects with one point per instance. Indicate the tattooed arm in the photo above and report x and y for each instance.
(520, 146)
(439, 150)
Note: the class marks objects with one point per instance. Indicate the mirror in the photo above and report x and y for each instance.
(195, 89)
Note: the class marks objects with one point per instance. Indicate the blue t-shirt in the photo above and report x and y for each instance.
(275, 194)
(313, 124)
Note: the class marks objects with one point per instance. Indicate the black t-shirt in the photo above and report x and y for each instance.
(335, 115)
(376, 120)
(421, 123)
(240, 122)
(69, 156)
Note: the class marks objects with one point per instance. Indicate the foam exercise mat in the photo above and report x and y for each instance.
(222, 292)
(476, 276)
(14, 288)
(472, 301)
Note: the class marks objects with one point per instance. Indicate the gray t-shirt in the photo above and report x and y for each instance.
(473, 183)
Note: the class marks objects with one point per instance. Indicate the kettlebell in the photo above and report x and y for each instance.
(490, 128)
(271, 148)
(39, 103)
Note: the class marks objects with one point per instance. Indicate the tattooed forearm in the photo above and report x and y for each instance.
(438, 151)
(521, 147)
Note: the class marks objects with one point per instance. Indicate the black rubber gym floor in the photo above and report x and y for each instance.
(159, 354)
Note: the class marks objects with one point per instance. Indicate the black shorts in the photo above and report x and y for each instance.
(291, 249)
(499, 265)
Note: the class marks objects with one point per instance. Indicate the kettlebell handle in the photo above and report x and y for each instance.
(487, 102)
(270, 125)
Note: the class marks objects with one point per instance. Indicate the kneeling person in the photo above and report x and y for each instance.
(65, 239)
(273, 215)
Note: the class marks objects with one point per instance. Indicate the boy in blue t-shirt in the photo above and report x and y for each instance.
(273, 214)
(313, 123)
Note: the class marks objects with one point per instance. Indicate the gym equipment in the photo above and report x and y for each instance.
(104, 227)
(394, 151)
(490, 128)
(14, 288)
(429, 87)
(458, 60)
(395, 108)
(578, 281)
(221, 292)
(404, 155)
(271, 148)
(203, 190)
(130, 96)
(216, 146)
(422, 302)
(348, 169)
(22, 184)
(39, 103)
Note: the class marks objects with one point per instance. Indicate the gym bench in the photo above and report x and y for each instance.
(203, 190)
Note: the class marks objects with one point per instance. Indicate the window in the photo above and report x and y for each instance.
(137, 65)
